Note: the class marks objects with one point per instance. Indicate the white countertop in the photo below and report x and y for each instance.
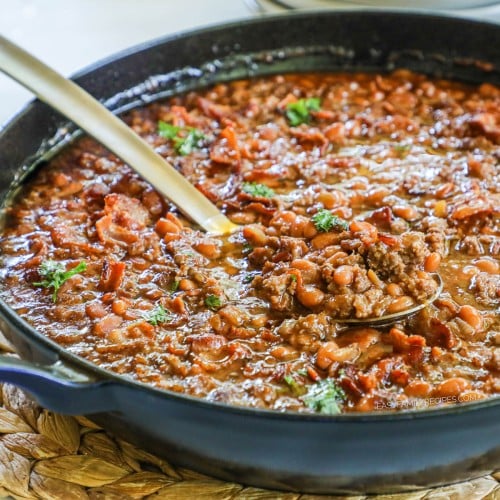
(71, 34)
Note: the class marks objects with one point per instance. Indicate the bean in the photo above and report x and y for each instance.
(336, 258)
(255, 235)
(471, 316)
(431, 262)
(107, 324)
(259, 320)
(284, 353)
(208, 249)
(309, 270)
(348, 353)
(400, 304)
(172, 218)
(310, 296)
(372, 276)
(302, 227)
(243, 217)
(178, 305)
(358, 226)
(394, 290)
(95, 310)
(115, 336)
(375, 196)
(325, 355)
(119, 307)
(232, 315)
(486, 265)
(343, 275)
(185, 284)
(406, 212)
(303, 264)
(452, 387)
(441, 209)
(368, 232)
(310, 230)
(331, 199)
(324, 240)
(418, 389)
(365, 404)
(287, 216)
(164, 226)
(445, 190)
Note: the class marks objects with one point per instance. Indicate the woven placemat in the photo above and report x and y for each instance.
(44, 455)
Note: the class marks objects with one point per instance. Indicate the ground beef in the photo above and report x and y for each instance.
(487, 289)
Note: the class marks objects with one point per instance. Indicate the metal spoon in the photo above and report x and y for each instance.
(81, 108)
(389, 319)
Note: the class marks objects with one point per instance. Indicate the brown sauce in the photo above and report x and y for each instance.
(351, 189)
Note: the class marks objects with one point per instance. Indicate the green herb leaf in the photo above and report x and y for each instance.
(157, 315)
(324, 397)
(247, 248)
(402, 149)
(213, 302)
(257, 190)
(296, 387)
(248, 278)
(293, 277)
(325, 221)
(299, 112)
(54, 275)
(185, 145)
(185, 138)
(174, 286)
(167, 130)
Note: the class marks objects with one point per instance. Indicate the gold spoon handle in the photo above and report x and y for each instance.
(80, 107)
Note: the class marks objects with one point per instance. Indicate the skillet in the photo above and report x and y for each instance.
(382, 452)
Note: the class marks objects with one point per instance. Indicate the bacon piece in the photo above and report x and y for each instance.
(112, 275)
(225, 148)
(125, 211)
(124, 217)
(486, 124)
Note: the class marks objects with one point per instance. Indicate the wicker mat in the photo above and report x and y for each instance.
(51, 456)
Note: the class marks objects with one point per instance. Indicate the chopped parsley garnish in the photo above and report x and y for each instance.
(248, 278)
(402, 149)
(293, 277)
(213, 301)
(296, 387)
(157, 315)
(247, 248)
(185, 139)
(167, 130)
(299, 112)
(174, 286)
(324, 397)
(258, 190)
(325, 221)
(54, 275)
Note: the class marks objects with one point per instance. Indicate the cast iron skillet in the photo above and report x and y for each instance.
(310, 453)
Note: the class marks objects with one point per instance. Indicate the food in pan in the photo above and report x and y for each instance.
(351, 190)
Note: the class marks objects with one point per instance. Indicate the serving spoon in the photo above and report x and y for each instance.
(88, 113)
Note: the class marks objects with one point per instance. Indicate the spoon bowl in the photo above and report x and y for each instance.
(390, 319)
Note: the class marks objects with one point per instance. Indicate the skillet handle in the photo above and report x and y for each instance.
(59, 388)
